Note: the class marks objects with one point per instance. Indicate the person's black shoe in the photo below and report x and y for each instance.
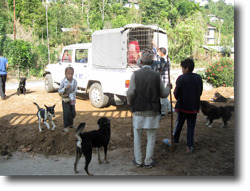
(150, 165)
(136, 164)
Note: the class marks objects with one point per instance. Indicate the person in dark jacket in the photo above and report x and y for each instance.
(144, 93)
(187, 92)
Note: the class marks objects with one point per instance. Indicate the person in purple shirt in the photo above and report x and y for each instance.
(3, 75)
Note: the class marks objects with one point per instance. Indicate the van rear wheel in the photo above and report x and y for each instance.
(97, 97)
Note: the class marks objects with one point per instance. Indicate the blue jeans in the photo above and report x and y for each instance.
(191, 121)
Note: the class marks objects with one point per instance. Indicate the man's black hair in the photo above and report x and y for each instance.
(163, 50)
(188, 63)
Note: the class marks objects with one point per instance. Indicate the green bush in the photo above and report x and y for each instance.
(203, 75)
(28, 59)
(220, 73)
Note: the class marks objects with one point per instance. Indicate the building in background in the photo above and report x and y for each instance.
(132, 3)
(210, 36)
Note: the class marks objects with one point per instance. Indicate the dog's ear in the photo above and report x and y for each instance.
(54, 106)
(45, 106)
(102, 121)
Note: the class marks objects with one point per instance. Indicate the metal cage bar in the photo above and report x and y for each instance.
(138, 38)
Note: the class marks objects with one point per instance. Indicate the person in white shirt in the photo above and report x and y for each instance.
(67, 91)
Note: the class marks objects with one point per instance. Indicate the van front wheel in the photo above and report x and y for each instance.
(48, 83)
(97, 97)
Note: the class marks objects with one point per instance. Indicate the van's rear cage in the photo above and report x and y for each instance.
(138, 38)
(120, 47)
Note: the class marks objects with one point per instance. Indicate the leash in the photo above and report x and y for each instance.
(57, 101)
(171, 108)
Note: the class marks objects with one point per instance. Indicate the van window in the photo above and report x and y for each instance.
(82, 55)
(67, 55)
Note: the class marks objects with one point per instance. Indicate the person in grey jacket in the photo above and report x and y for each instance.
(144, 93)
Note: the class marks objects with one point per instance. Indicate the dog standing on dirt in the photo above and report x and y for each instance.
(88, 140)
(21, 87)
(45, 114)
(212, 112)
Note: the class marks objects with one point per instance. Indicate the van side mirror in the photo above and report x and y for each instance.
(59, 60)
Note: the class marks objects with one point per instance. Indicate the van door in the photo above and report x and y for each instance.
(81, 66)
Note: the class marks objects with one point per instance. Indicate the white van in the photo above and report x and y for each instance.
(103, 68)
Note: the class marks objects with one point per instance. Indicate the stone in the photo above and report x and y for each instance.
(112, 147)
(165, 162)
(29, 148)
(212, 150)
(4, 152)
(24, 150)
(21, 147)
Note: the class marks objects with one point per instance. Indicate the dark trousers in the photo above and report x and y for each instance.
(191, 121)
(69, 114)
(2, 85)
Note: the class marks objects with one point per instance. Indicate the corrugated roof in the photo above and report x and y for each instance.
(217, 48)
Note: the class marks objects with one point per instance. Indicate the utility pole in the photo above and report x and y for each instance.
(47, 32)
(82, 6)
(14, 20)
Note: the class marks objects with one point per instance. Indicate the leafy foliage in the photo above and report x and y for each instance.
(184, 21)
(22, 56)
(18, 53)
(220, 73)
(187, 37)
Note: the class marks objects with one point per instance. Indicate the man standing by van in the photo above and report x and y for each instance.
(3, 75)
(144, 93)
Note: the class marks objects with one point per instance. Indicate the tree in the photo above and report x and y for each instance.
(153, 11)
(187, 37)
(19, 54)
(222, 11)
(186, 7)
(102, 7)
(2, 33)
(182, 19)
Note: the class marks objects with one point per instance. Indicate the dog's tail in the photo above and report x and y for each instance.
(77, 134)
(37, 105)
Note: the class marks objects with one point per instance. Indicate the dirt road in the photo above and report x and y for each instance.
(213, 154)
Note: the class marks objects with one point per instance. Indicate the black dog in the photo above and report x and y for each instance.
(21, 88)
(212, 112)
(46, 114)
(87, 140)
(219, 98)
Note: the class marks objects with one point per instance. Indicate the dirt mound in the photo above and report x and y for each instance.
(214, 147)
